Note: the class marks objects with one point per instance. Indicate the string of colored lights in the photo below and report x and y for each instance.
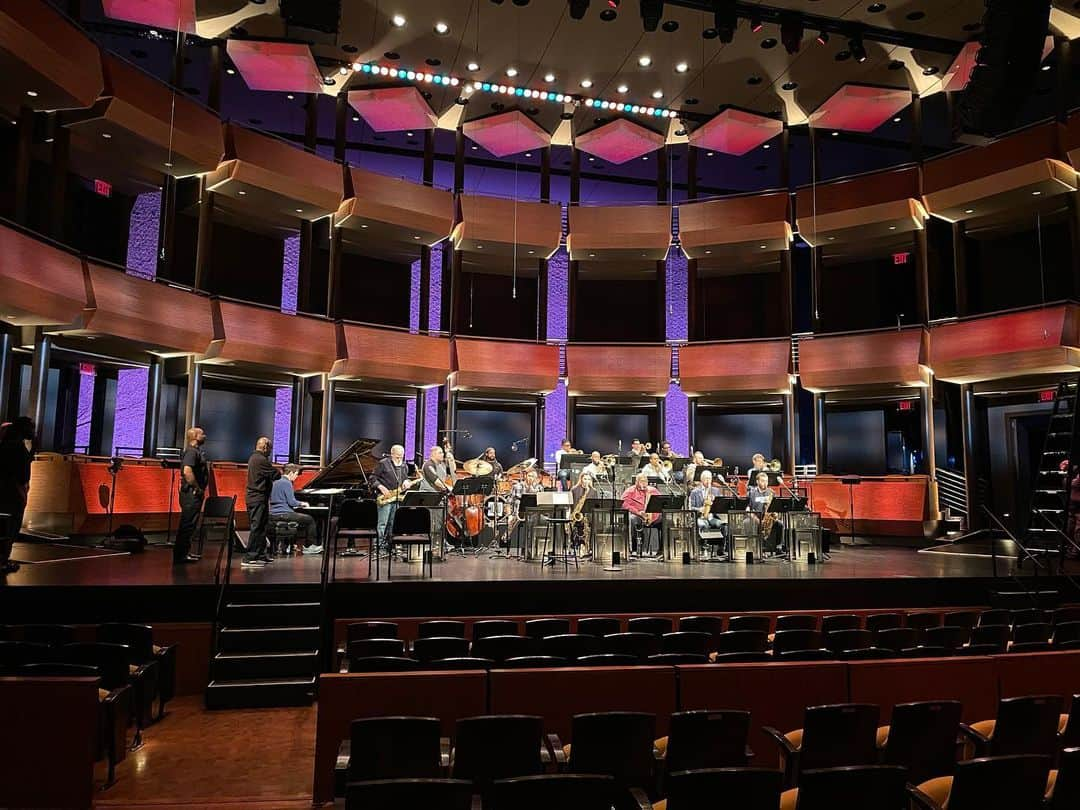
(421, 76)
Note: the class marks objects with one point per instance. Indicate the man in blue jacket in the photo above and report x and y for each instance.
(284, 506)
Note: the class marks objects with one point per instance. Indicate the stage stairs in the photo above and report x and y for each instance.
(267, 648)
(1050, 490)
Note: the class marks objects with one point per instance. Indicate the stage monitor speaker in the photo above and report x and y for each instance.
(1006, 66)
(126, 538)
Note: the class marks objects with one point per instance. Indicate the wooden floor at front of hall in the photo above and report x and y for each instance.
(251, 759)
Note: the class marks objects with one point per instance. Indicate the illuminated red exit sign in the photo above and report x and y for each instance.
(1047, 395)
(900, 258)
(905, 404)
(103, 187)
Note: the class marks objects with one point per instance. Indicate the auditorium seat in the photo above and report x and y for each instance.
(831, 736)
(571, 645)
(1065, 614)
(618, 744)
(607, 660)
(1015, 782)
(838, 641)
(1069, 725)
(921, 737)
(442, 628)
(383, 663)
(920, 621)
(599, 625)
(760, 624)
(676, 659)
(739, 657)
(361, 630)
(541, 628)
(398, 747)
(139, 639)
(978, 649)
(785, 641)
(569, 791)
(656, 625)
(713, 625)
(493, 747)
(1024, 725)
(865, 654)
(494, 627)
(1030, 616)
(533, 662)
(14, 654)
(944, 636)
(686, 641)
(705, 739)
(796, 621)
(1030, 647)
(111, 661)
(895, 638)
(1031, 631)
(499, 648)
(742, 788)
(374, 648)
(820, 654)
(639, 645)
(1067, 635)
(464, 662)
(882, 787)
(995, 616)
(1063, 786)
(961, 618)
(742, 641)
(432, 648)
(55, 635)
(996, 635)
(840, 621)
(445, 794)
(877, 622)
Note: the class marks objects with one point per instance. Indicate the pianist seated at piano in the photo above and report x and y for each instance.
(284, 506)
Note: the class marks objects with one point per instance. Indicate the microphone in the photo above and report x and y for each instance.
(522, 440)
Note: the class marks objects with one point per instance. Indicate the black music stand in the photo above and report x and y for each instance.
(478, 485)
(659, 504)
(721, 506)
(424, 499)
(851, 481)
(527, 501)
(555, 500)
(718, 473)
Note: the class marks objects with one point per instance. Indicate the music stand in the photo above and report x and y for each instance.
(851, 481)
(426, 499)
(720, 507)
(478, 485)
(717, 472)
(553, 500)
(612, 506)
(527, 502)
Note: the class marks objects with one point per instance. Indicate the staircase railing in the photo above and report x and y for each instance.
(327, 574)
(951, 490)
(1024, 551)
(222, 580)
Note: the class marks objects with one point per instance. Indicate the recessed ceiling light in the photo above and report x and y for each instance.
(32, 93)
(896, 120)
(622, 88)
(766, 146)
(242, 193)
(969, 210)
(1036, 193)
(682, 67)
(290, 96)
(528, 154)
(441, 28)
(364, 225)
(356, 118)
(832, 238)
(531, 252)
(1045, 67)
(105, 135)
(708, 252)
(344, 71)
(763, 247)
(586, 83)
(644, 60)
(511, 72)
(230, 71)
(408, 134)
(835, 133)
(645, 157)
(416, 236)
(472, 66)
(657, 93)
(168, 164)
(299, 210)
(479, 247)
(549, 77)
(475, 148)
(591, 159)
(709, 154)
(592, 255)
(789, 86)
(892, 227)
(398, 20)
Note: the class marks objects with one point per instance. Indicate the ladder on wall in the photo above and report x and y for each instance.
(1050, 493)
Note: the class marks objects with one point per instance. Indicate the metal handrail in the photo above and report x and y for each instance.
(993, 556)
(225, 551)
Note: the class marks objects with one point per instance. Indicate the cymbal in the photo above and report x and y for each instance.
(522, 467)
(477, 466)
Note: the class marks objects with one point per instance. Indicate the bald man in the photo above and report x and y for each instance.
(194, 478)
(260, 481)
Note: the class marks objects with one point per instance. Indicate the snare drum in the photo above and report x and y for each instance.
(495, 507)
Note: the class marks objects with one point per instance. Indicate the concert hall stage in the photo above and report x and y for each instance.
(77, 584)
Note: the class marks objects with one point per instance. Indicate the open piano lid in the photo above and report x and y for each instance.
(350, 470)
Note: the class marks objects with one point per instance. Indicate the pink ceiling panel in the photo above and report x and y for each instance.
(285, 67)
(393, 109)
(859, 108)
(168, 14)
(507, 133)
(736, 132)
(619, 141)
(958, 75)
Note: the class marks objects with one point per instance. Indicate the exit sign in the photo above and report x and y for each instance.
(1047, 395)
(905, 404)
(103, 187)
(900, 258)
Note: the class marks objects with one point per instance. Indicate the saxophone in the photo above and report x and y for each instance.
(706, 508)
(580, 531)
(768, 520)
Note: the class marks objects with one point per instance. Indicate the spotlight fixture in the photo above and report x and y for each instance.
(473, 66)
(622, 88)
(398, 20)
(344, 71)
(791, 32)
(511, 72)
(578, 8)
(823, 37)
(658, 94)
(857, 49)
(651, 12)
(644, 60)
(231, 71)
(586, 83)
(725, 20)
(682, 67)
(442, 28)
(32, 93)
(549, 77)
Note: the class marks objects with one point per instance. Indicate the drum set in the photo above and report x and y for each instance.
(491, 505)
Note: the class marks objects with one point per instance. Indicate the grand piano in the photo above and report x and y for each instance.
(347, 476)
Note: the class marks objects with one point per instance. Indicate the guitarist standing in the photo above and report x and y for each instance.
(391, 473)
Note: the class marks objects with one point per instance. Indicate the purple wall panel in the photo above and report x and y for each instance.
(431, 418)
(282, 423)
(414, 297)
(130, 413)
(410, 427)
(434, 323)
(142, 249)
(554, 422)
(677, 419)
(85, 412)
(558, 276)
(290, 274)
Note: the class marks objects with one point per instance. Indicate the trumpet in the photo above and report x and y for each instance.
(775, 465)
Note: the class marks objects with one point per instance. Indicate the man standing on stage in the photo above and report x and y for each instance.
(391, 473)
(634, 500)
(194, 478)
(260, 481)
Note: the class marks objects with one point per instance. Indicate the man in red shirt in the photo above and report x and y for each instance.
(642, 524)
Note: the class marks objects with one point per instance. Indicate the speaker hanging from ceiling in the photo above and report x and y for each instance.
(1008, 61)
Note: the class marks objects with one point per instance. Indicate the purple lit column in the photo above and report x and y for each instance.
(557, 314)
(142, 248)
(282, 422)
(85, 411)
(676, 405)
(290, 274)
(414, 297)
(129, 415)
(431, 395)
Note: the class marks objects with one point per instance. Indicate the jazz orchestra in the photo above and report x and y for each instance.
(647, 494)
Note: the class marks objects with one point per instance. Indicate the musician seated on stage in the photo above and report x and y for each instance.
(489, 457)
(705, 491)
(655, 469)
(759, 497)
(666, 451)
(634, 500)
(586, 487)
(284, 506)
(757, 464)
(637, 449)
(595, 467)
(529, 485)
(391, 473)
(564, 475)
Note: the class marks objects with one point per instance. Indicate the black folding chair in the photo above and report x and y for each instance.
(499, 648)
(796, 621)
(839, 621)
(786, 641)
(498, 747)
(494, 627)
(571, 646)
(435, 648)
(218, 515)
(742, 641)
(761, 624)
(882, 787)
(876, 622)
(656, 625)
(705, 739)
(691, 642)
(411, 528)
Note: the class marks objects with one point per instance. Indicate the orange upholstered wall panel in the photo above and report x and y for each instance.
(1031, 342)
(886, 358)
(149, 313)
(618, 369)
(1026, 146)
(889, 505)
(273, 338)
(39, 284)
(505, 365)
(753, 365)
(394, 357)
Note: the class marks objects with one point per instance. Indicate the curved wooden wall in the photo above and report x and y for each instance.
(892, 359)
(750, 224)
(619, 232)
(504, 365)
(40, 284)
(490, 225)
(641, 371)
(386, 356)
(859, 208)
(762, 366)
(270, 338)
(395, 210)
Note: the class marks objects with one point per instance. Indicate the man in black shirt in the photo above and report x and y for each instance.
(16, 455)
(194, 478)
(260, 480)
(489, 457)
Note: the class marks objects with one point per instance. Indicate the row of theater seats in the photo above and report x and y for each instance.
(441, 644)
(132, 674)
(1026, 757)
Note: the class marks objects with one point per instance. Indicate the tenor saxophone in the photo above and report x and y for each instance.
(580, 531)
